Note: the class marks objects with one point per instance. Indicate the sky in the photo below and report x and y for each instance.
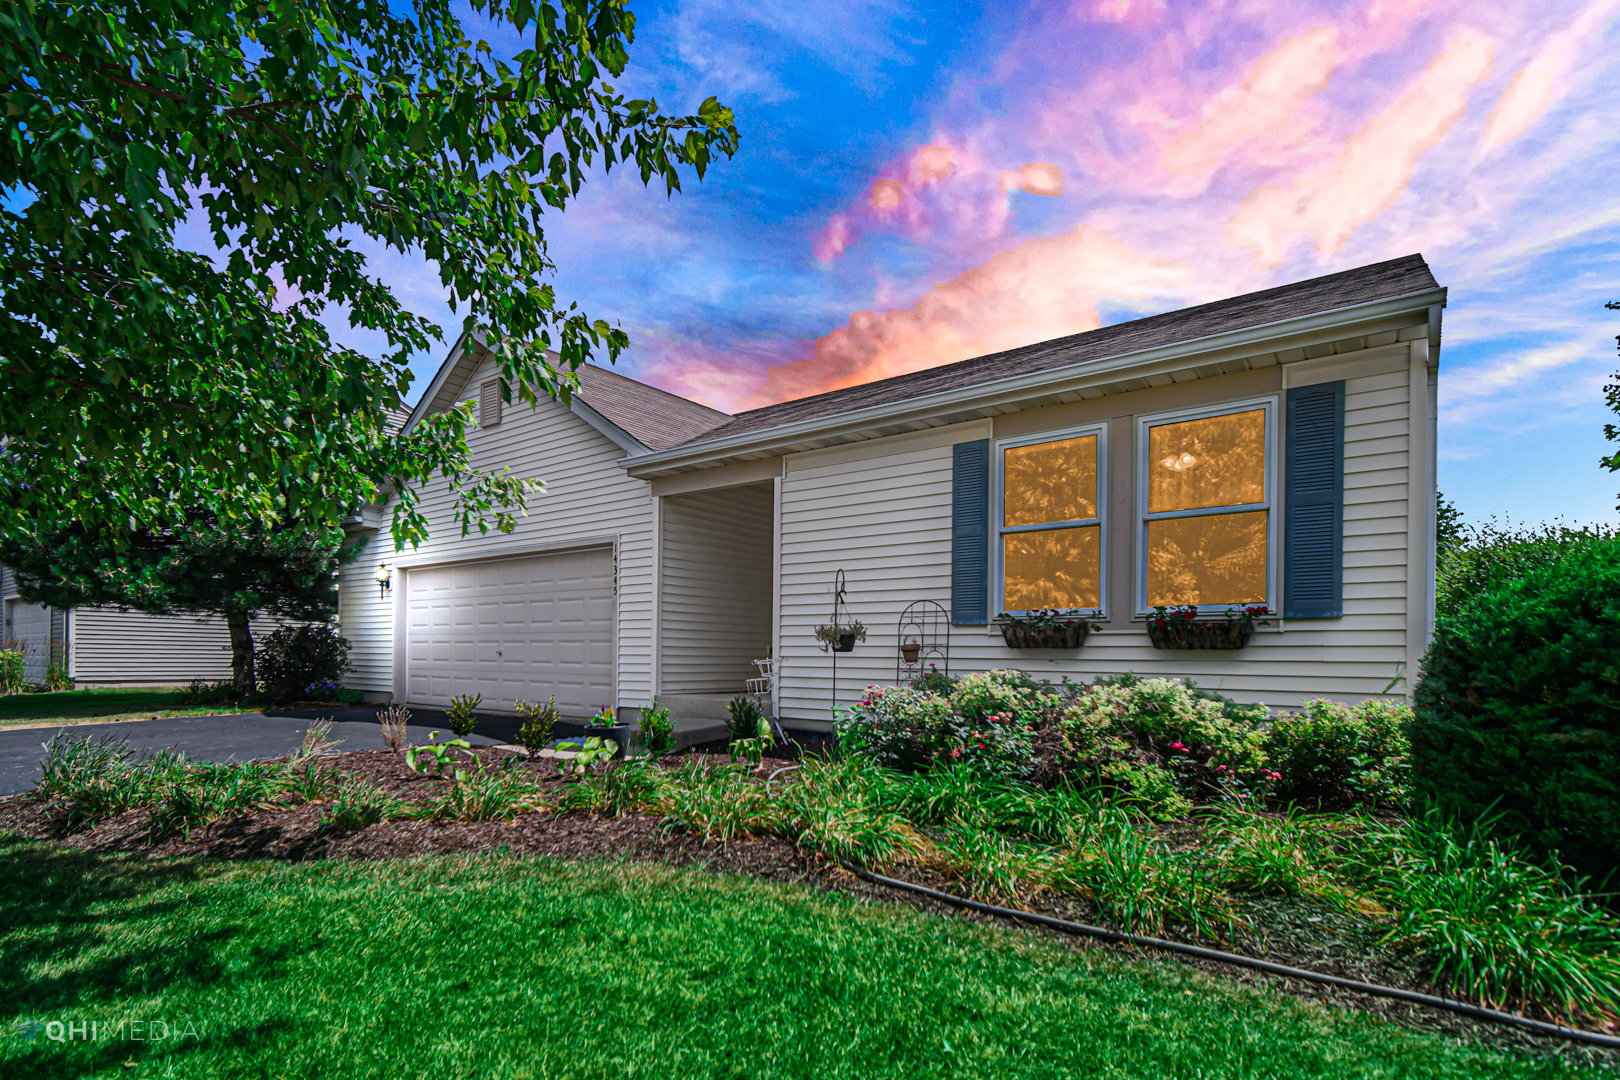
(919, 183)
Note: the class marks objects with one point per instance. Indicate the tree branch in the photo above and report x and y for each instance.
(142, 398)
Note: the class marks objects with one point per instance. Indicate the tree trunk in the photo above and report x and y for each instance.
(242, 677)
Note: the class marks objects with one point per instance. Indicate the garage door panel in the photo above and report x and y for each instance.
(514, 628)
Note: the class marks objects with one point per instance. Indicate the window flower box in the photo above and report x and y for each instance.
(1180, 628)
(1047, 629)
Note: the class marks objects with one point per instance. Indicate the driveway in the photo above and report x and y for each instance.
(239, 737)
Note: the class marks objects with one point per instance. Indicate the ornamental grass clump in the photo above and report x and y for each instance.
(991, 865)
(837, 810)
(1498, 929)
(480, 794)
(200, 793)
(1286, 854)
(620, 788)
(718, 802)
(358, 805)
(1136, 881)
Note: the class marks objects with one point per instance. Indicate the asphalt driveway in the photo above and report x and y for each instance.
(239, 737)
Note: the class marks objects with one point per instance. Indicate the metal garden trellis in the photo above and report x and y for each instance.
(923, 640)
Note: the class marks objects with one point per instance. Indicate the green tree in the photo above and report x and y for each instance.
(141, 382)
(1450, 533)
(236, 570)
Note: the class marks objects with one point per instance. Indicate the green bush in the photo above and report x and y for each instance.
(295, 662)
(534, 735)
(13, 663)
(1332, 754)
(979, 696)
(1518, 711)
(1485, 557)
(657, 730)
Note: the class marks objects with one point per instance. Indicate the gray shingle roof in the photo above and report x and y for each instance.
(654, 418)
(1405, 276)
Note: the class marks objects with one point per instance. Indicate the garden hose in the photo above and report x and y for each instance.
(1462, 1008)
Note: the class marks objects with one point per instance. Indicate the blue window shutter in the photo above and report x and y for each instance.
(1313, 504)
(970, 529)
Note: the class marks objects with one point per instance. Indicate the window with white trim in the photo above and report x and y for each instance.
(1206, 527)
(1048, 518)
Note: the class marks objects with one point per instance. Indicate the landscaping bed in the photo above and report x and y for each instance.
(736, 817)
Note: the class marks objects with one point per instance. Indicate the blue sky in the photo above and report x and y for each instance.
(918, 183)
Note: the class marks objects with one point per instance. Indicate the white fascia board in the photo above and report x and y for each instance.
(623, 439)
(441, 377)
(1050, 380)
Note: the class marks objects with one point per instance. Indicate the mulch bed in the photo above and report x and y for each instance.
(1284, 930)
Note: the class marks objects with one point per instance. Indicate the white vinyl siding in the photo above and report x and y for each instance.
(366, 615)
(589, 500)
(109, 646)
(881, 511)
(715, 618)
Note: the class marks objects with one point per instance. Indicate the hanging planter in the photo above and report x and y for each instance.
(910, 651)
(840, 638)
(1047, 629)
(1180, 628)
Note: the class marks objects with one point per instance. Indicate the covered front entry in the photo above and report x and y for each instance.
(513, 628)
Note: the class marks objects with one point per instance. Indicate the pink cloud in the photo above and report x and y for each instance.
(1221, 149)
(1536, 84)
(1040, 289)
(1374, 167)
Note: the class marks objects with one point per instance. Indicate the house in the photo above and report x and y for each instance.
(1275, 448)
(103, 646)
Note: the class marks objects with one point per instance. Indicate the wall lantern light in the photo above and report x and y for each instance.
(384, 579)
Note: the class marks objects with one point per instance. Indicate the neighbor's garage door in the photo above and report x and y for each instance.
(29, 626)
(513, 628)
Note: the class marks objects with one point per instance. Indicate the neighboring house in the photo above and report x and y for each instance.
(1276, 448)
(112, 647)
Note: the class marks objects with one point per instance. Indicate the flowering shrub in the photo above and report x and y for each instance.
(1169, 723)
(1001, 743)
(897, 727)
(994, 693)
(1339, 755)
(935, 681)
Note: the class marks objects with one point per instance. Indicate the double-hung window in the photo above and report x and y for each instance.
(1049, 542)
(1206, 527)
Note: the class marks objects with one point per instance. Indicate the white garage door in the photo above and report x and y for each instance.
(513, 628)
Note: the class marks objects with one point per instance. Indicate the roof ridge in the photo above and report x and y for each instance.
(657, 390)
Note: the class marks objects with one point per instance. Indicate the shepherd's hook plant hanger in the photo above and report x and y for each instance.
(840, 615)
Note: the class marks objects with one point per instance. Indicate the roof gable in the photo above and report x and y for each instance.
(636, 416)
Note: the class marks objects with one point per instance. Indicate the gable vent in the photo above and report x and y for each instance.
(489, 403)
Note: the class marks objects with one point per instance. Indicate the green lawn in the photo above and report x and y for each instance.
(501, 968)
(76, 706)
